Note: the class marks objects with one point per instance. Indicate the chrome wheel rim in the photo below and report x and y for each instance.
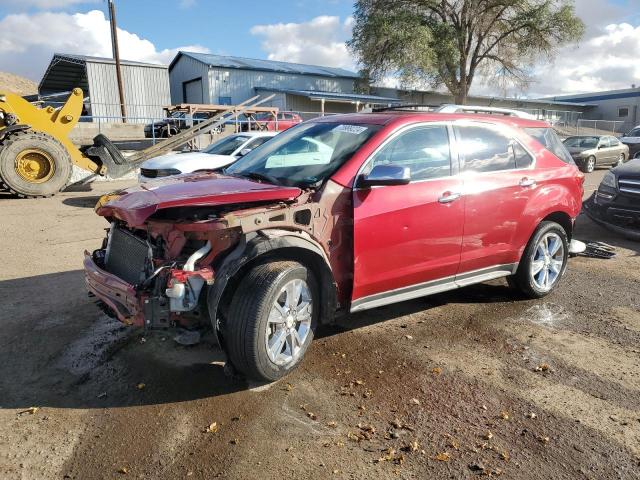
(547, 262)
(289, 322)
(591, 164)
(621, 159)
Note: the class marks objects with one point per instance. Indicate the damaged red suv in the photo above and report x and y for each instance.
(337, 215)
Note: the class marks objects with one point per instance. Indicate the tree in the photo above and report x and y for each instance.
(452, 42)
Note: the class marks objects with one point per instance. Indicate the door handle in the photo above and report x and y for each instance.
(448, 197)
(527, 182)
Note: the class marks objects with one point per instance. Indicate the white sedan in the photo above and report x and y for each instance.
(217, 155)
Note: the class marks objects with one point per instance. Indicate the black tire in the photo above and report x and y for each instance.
(16, 143)
(522, 280)
(245, 329)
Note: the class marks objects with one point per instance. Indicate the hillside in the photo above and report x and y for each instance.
(16, 84)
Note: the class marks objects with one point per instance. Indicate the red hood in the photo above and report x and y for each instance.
(134, 205)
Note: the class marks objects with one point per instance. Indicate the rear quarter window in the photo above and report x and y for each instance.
(550, 140)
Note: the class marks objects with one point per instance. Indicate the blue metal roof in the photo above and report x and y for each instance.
(265, 65)
(335, 96)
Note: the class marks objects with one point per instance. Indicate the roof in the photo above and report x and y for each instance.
(598, 96)
(89, 59)
(242, 63)
(334, 96)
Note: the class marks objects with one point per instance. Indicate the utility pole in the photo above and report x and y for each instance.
(116, 57)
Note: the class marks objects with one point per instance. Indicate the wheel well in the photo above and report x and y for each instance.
(562, 219)
(314, 262)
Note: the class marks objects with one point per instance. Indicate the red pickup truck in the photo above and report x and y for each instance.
(336, 215)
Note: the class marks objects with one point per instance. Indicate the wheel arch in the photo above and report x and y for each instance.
(261, 247)
(561, 218)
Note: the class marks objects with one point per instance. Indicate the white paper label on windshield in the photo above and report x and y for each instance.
(354, 129)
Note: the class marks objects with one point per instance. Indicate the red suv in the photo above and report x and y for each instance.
(338, 214)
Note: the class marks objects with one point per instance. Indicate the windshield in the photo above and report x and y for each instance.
(306, 154)
(582, 142)
(633, 133)
(227, 145)
(549, 138)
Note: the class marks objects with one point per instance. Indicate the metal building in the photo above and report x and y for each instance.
(146, 86)
(620, 106)
(217, 79)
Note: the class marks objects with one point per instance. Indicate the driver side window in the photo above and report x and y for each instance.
(425, 150)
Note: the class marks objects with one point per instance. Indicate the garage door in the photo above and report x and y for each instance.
(193, 91)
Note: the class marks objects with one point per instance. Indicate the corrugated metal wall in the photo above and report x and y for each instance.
(184, 70)
(146, 91)
(240, 84)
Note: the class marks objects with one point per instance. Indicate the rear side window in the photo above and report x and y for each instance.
(604, 142)
(614, 142)
(549, 139)
(425, 150)
(484, 150)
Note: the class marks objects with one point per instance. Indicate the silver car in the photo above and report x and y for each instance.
(591, 151)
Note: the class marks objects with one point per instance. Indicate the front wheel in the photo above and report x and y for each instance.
(272, 320)
(543, 262)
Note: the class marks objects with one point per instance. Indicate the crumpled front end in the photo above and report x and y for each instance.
(151, 277)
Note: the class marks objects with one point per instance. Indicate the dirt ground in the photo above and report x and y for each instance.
(473, 382)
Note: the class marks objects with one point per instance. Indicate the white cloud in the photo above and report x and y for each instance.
(42, 4)
(320, 41)
(29, 40)
(608, 60)
(187, 3)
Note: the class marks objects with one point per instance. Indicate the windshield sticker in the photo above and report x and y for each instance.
(354, 129)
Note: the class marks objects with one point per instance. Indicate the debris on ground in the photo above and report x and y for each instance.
(123, 470)
(212, 428)
(141, 386)
(543, 367)
(30, 411)
(598, 250)
(443, 457)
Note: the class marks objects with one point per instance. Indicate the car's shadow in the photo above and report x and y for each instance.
(57, 349)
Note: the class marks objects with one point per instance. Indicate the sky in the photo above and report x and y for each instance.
(305, 31)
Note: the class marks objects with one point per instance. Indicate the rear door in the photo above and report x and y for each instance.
(604, 155)
(498, 182)
(407, 238)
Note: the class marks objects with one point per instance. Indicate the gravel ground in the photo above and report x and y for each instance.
(472, 382)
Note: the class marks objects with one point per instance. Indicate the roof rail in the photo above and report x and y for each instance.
(407, 106)
(452, 108)
(509, 112)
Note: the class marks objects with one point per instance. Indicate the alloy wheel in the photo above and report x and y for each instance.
(548, 261)
(591, 164)
(289, 322)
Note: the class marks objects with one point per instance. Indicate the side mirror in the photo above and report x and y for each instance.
(601, 146)
(382, 175)
(244, 151)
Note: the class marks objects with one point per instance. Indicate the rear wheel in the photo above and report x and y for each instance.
(272, 320)
(543, 262)
(589, 164)
(33, 164)
(621, 160)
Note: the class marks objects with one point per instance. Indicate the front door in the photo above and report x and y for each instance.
(407, 238)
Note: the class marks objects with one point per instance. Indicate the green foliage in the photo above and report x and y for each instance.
(449, 42)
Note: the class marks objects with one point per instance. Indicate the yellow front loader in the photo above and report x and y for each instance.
(36, 155)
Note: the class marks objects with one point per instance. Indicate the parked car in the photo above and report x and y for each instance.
(389, 207)
(173, 124)
(591, 151)
(632, 140)
(217, 155)
(285, 120)
(616, 203)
